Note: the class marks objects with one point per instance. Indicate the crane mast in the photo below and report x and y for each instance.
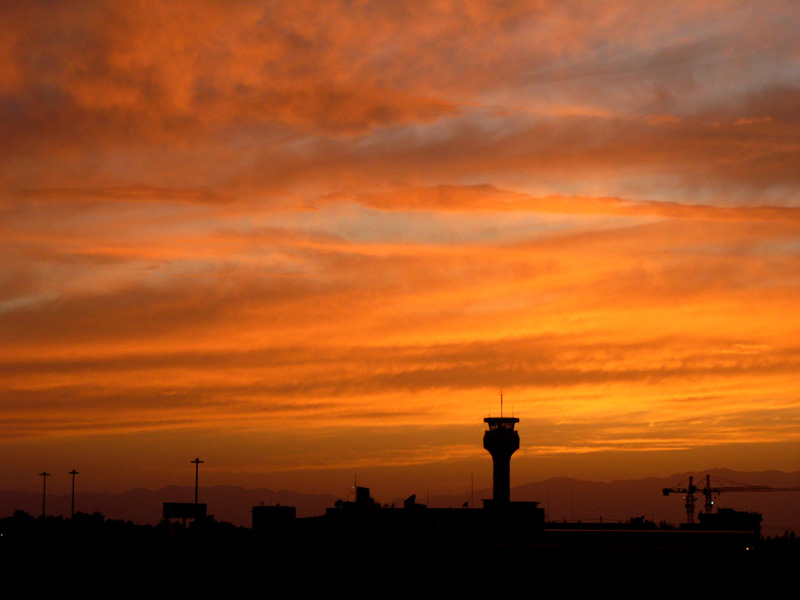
(709, 491)
(690, 498)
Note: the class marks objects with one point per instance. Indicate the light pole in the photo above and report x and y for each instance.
(196, 462)
(72, 509)
(44, 475)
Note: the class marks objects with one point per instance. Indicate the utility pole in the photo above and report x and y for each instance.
(196, 462)
(44, 475)
(72, 508)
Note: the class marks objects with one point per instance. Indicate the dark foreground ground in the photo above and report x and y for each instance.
(380, 569)
(95, 556)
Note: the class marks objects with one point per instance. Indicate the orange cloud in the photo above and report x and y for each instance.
(218, 218)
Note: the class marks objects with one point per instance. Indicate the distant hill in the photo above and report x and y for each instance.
(562, 498)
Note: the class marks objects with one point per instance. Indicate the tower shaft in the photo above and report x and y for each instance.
(501, 441)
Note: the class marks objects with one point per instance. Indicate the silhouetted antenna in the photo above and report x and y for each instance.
(197, 463)
(501, 403)
(72, 506)
(472, 490)
(44, 475)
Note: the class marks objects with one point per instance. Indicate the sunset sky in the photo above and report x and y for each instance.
(308, 241)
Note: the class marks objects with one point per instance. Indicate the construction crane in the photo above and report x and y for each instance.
(708, 491)
(690, 497)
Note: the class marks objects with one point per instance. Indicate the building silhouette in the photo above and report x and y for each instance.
(501, 440)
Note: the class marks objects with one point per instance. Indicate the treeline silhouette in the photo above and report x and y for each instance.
(23, 527)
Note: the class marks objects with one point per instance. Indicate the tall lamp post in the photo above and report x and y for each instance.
(72, 509)
(196, 462)
(44, 475)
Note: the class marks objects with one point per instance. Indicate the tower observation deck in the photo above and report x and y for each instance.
(501, 441)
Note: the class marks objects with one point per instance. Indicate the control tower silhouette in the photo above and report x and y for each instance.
(501, 441)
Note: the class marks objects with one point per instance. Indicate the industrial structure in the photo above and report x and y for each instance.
(709, 491)
(500, 518)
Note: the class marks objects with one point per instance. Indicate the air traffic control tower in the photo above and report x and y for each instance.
(501, 441)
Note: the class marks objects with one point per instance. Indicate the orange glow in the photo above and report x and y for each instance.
(302, 239)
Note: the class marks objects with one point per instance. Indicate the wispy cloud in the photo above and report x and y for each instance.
(227, 216)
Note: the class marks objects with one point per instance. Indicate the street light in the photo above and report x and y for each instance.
(72, 509)
(196, 462)
(44, 475)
